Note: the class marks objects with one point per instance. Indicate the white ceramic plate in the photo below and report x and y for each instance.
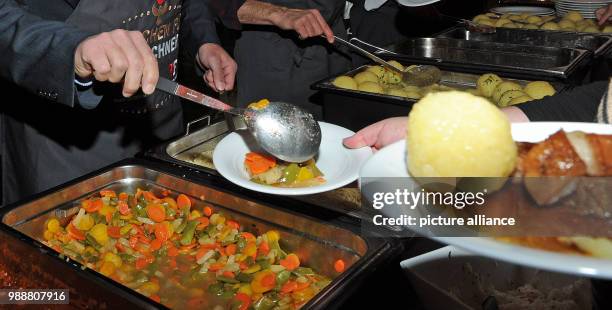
(339, 165)
(390, 162)
(533, 10)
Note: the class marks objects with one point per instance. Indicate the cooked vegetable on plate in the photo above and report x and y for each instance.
(266, 169)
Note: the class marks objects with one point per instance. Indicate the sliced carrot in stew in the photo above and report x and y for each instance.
(155, 245)
(156, 212)
(114, 232)
(290, 262)
(108, 193)
(182, 201)
(75, 233)
(161, 232)
(339, 265)
(208, 211)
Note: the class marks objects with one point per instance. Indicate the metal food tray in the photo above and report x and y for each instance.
(355, 109)
(598, 44)
(531, 62)
(201, 143)
(457, 80)
(324, 239)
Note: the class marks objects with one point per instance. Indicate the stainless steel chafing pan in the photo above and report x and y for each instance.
(540, 62)
(321, 241)
(599, 44)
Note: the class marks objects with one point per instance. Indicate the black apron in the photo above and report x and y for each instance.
(58, 143)
(276, 65)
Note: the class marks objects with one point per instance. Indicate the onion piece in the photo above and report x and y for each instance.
(583, 148)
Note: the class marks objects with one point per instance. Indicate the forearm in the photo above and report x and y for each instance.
(38, 54)
(259, 13)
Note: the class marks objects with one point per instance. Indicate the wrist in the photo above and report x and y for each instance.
(277, 15)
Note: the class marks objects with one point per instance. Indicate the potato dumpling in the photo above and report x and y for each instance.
(365, 76)
(547, 18)
(607, 29)
(479, 17)
(487, 22)
(486, 84)
(524, 15)
(412, 88)
(506, 97)
(377, 70)
(396, 92)
(531, 26)
(413, 95)
(371, 87)
(591, 29)
(565, 23)
(391, 77)
(511, 26)
(573, 16)
(534, 19)
(502, 21)
(572, 29)
(456, 134)
(539, 89)
(503, 87)
(520, 100)
(515, 18)
(346, 82)
(550, 26)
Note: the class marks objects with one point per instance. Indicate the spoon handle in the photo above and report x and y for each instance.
(177, 89)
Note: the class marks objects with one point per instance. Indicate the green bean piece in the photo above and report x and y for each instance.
(264, 303)
(227, 280)
(189, 232)
(282, 277)
(303, 271)
(244, 277)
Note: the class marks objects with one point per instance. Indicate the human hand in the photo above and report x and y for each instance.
(116, 56)
(220, 68)
(604, 14)
(307, 23)
(380, 134)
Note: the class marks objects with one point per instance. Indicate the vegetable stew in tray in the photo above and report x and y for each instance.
(190, 252)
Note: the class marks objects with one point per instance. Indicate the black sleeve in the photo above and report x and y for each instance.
(198, 26)
(37, 54)
(226, 11)
(576, 105)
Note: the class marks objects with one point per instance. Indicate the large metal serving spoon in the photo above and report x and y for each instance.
(281, 129)
(422, 75)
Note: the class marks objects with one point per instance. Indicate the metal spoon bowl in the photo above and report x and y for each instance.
(285, 131)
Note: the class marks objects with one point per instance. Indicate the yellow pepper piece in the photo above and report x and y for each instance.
(304, 174)
(86, 222)
(107, 268)
(253, 269)
(48, 235)
(261, 104)
(250, 249)
(149, 288)
(125, 229)
(272, 235)
(195, 214)
(217, 219)
(99, 233)
(245, 289)
(263, 281)
(106, 209)
(113, 258)
(53, 225)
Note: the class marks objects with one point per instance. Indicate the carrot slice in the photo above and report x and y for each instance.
(182, 201)
(230, 249)
(264, 248)
(161, 232)
(123, 207)
(156, 212)
(155, 298)
(114, 232)
(149, 196)
(141, 263)
(204, 222)
(123, 196)
(155, 245)
(290, 262)
(75, 233)
(228, 274)
(289, 287)
(339, 265)
(92, 206)
(173, 252)
(208, 211)
(108, 193)
(259, 163)
(215, 267)
(233, 224)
